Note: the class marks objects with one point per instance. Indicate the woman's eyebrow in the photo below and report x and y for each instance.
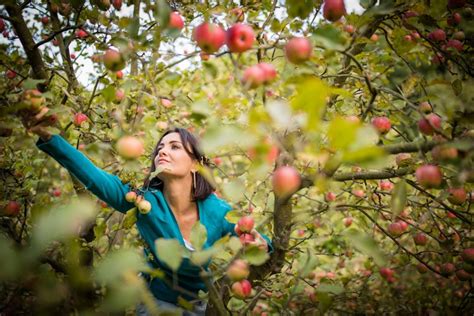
(173, 141)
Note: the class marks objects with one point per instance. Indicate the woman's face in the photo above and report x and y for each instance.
(173, 158)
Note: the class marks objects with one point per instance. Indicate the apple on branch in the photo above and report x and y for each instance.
(209, 37)
(130, 147)
(298, 50)
(286, 181)
(240, 38)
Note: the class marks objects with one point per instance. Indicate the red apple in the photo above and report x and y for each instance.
(395, 229)
(79, 118)
(386, 273)
(144, 207)
(246, 239)
(246, 224)
(403, 159)
(10, 74)
(457, 195)
(330, 197)
(176, 21)
(238, 270)
(2, 25)
(119, 74)
(429, 176)
(113, 60)
(217, 161)
(429, 124)
(437, 35)
(240, 38)
(420, 239)
(385, 185)
(56, 192)
(73, 56)
(298, 50)
(119, 95)
(333, 10)
(241, 289)
(347, 221)
(374, 38)
(80, 33)
(209, 37)
(444, 153)
(462, 275)
(425, 107)
(269, 72)
(459, 35)
(447, 269)
(415, 35)
(468, 255)
(359, 193)
(12, 209)
(382, 124)
(454, 19)
(253, 77)
(286, 180)
(349, 28)
(166, 103)
(455, 44)
(130, 147)
(131, 196)
(408, 38)
(117, 4)
(44, 20)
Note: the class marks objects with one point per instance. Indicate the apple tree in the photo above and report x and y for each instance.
(346, 137)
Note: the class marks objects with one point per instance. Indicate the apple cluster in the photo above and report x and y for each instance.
(142, 205)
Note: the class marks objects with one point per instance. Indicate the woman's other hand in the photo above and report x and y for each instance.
(38, 123)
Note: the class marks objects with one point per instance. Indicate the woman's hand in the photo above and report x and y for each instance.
(258, 241)
(37, 123)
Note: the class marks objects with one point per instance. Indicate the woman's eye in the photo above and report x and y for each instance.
(175, 147)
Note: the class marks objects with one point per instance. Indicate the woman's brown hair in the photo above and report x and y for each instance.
(191, 145)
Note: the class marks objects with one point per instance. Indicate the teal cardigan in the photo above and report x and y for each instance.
(158, 223)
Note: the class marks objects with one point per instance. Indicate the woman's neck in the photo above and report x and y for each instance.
(178, 195)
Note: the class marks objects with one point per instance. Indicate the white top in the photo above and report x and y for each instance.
(188, 245)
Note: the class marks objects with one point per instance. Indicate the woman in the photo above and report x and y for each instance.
(179, 197)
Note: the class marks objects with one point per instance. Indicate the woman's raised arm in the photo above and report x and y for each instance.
(107, 187)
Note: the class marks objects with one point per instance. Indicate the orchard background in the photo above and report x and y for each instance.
(351, 147)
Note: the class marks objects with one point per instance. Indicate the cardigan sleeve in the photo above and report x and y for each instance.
(107, 187)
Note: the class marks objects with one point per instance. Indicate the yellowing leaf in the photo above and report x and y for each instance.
(311, 95)
(170, 251)
(198, 235)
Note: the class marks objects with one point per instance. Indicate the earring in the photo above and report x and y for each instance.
(194, 180)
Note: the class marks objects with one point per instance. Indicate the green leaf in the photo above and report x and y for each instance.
(130, 218)
(310, 97)
(218, 135)
(234, 190)
(399, 198)
(329, 37)
(363, 155)
(330, 288)
(170, 251)
(367, 245)
(457, 86)
(255, 256)
(233, 216)
(299, 8)
(198, 235)
(113, 267)
(62, 222)
(306, 263)
(10, 265)
(108, 93)
(342, 133)
(202, 257)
